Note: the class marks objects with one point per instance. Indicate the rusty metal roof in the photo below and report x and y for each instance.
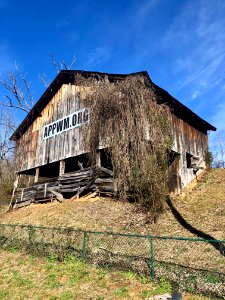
(68, 76)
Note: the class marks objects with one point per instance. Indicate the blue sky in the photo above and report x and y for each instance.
(181, 43)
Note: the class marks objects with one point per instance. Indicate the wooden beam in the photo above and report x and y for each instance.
(29, 180)
(36, 175)
(98, 159)
(61, 167)
(15, 185)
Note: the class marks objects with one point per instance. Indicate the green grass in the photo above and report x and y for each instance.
(121, 292)
(162, 287)
(3, 294)
(28, 277)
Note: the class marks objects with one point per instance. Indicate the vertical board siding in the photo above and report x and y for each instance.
(187, 139)
(32, 151)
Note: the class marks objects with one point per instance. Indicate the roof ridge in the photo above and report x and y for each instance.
(64, 77)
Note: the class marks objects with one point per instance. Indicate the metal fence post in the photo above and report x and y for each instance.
(152, 261)
(84, 247)
(30, 233)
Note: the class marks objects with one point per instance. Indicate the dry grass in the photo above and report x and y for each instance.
(203, 208)
(24, 277)
(4, 203)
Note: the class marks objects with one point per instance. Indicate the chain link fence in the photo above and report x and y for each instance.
(191, 264)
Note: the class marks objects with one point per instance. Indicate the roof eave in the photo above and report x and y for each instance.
(65, 76)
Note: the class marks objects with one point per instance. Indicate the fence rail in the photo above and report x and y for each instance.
(192, 264)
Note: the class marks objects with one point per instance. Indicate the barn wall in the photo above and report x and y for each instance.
(189, 140)
(33, 151)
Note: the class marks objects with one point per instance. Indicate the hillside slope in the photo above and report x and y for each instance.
(203, 207)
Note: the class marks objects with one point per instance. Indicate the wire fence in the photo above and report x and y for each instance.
(191, 264)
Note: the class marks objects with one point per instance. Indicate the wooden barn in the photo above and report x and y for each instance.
(52, 163)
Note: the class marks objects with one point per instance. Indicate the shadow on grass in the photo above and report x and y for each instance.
(210, 239)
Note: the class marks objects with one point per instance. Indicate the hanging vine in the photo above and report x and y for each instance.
(125, 117)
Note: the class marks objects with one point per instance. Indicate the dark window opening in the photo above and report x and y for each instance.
(171, 157)
(106, 158)
(28, 172)
(73, 164)
(188, 160)
(49, 171)
(69, 195)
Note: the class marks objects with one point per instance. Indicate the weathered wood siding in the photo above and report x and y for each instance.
(33, 151)
(187, 139)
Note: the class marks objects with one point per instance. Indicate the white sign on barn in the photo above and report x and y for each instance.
(71, 121)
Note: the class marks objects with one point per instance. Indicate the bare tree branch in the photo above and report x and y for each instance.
(54, 63)
(58, 66)
(72, 63)
(218, 147)
(61, 65)
(7, 126)
(26, 85)
(44, 80)
(11, 127)
(15, 106)
(20, 95)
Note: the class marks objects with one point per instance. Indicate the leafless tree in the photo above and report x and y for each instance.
(7, 165)
(218, 146)
(18, 90)
(58, 66)
(44, 79)
(18, 95)
(7, 125)
(61, 65)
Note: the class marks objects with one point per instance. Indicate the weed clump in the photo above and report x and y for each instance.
(7, 177)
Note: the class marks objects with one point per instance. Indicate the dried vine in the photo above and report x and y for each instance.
(125, 117)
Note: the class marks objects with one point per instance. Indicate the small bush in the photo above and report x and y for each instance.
(7, 178)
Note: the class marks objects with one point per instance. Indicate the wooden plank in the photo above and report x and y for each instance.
(98, 159)
(61, 167)
(103, 180)
(36, 175)
(58, 196)
(107, 171)
(67, 186)
(46, 180)
(42, 200)
(87, 186)
(105, 189)
(77, 180)
(74, 175)
(18, 205)
(70, 190)
(84, 171)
